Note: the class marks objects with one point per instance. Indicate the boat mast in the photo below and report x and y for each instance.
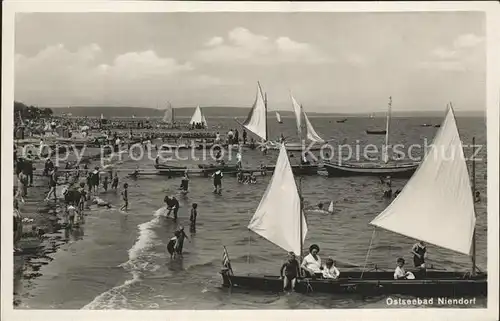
(300, 222)
(265, 105)
(474, 200)
(386, 147)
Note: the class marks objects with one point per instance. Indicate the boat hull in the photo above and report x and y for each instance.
(434, 284)
(376, 132)
(300, 170)
(401, 171)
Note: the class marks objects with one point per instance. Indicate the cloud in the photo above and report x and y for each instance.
(467, 52)
(215, 41)
(59, 76)
(243, 46)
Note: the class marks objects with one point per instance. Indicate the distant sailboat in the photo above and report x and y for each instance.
(330, 208)
(278, 118)
(198, 117)
(256, 121)
(168, 117)
(311, 133)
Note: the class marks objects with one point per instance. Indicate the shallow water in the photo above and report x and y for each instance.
(119, 261)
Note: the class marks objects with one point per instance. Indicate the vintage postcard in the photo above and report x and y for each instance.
(270, 160)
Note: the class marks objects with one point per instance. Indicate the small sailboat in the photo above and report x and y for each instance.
(198, 118)
(168, 117)
(330, 208)
(404, 170)
(343, 120)
(382, 131)
(278, 118)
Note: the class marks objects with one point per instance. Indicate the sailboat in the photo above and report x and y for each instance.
(278, 118)
(442, 181)
(198, 117)
(405, 170)
(168, 117)
(382, 131)
(311, 133)
(279, 218)
(330, 208)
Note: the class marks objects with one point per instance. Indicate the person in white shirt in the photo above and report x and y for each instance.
(331, 271)
(312, 262)
(238, 159)
(400, 273)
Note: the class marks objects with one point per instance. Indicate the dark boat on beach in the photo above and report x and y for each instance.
(450, 206)
(376, 132)
(370, 169)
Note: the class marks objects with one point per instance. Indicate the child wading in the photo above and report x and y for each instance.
(217, 176)
(125, 198)
(291, 269)
(192, 217)
(114, 185)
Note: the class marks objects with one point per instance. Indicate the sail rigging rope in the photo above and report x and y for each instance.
(368, 253)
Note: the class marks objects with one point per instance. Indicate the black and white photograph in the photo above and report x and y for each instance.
(226, 156)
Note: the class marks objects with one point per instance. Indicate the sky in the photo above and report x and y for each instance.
(330, 62)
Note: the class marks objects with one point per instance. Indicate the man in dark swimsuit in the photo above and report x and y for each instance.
(291, 269)
(217, 182)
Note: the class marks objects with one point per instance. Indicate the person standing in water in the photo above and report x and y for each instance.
(180, 240)
(114, 185)
(172, 244)
(125, 198)
(53, 184)
(105, 183)
(217, 176)
(192, 217)
(185, 182)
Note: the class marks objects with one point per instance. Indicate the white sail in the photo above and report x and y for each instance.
(198, 117)
(312, 135)
(330, 208)
(278, 117)
(204, 120)
(102, 116)
(298, 114)
(278, 216)
(256, 121)
(168, 117)
(388, 121)
(436, 205)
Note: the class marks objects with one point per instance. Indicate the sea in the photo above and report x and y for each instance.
(118, 260)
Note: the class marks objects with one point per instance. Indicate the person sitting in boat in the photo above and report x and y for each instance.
(330, 271)
(419, 251)
(218, 156)
(305, 161)
(291, 269)
(400, 273)
(240, 176)
(477, 197)
(263, 169)
(252, 179)
(311, 265)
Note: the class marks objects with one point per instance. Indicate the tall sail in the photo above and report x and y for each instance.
(312, 135)
(168, 117)
(278, 216)
(298, 114)
(102, 116)
(256, 121)
(278, 117)
(204, 120)
(198, 117)
(436, 205)
(388, 121)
